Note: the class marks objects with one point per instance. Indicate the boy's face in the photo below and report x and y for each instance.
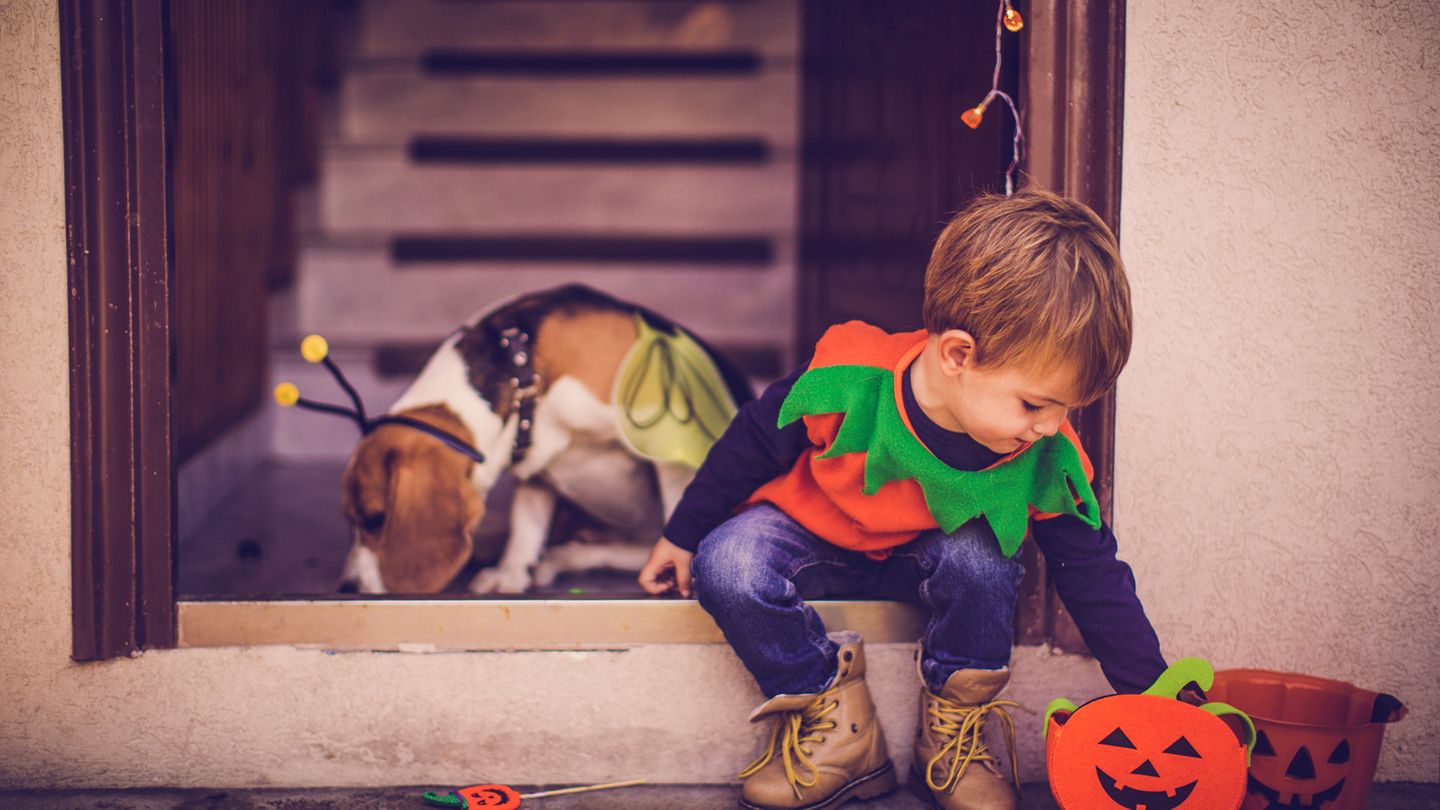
(1001, 407)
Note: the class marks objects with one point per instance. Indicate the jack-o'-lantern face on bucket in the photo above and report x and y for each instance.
(1297, 777)
(1145, 785)
(1144, 751)
(1148, 751)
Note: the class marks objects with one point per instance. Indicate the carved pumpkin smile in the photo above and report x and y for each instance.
(1133, 799)
(1272, 796)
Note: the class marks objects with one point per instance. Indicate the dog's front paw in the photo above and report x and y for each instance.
(545, 573)
(500, 580)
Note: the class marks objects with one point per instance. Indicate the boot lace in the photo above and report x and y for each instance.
(963, 729)
(793, 734)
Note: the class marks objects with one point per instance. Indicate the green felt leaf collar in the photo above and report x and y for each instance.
(1048, 474)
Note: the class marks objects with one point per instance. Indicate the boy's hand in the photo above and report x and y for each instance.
(1192, 694)
(667, 570)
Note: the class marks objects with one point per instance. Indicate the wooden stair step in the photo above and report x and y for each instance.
(404, 360)
(406, 28)
(394, 105)
(380, 190)
(357, 295)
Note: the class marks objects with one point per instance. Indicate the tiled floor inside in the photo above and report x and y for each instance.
(281, 534)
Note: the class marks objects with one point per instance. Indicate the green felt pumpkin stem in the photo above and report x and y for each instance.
(1172, 680)
(1056, 705)
(1221, 709)
(444, 799)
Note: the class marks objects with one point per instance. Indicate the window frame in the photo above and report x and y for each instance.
(123, 512)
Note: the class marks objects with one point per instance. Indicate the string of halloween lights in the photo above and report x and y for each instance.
(1006, 19)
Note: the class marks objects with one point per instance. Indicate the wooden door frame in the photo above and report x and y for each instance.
(117, 209)
(1072, 84)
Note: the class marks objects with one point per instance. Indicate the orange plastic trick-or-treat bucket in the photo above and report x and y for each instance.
(1317, 740)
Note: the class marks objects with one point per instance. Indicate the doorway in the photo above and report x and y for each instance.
(855, 58)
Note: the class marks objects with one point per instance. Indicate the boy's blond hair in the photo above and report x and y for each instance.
(1037, 280)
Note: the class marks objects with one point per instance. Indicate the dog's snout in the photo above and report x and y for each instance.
(349, 586)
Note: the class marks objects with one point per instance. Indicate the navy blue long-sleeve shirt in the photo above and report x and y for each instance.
(1097, 588)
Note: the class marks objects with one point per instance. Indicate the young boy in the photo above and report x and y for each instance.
(911, 466)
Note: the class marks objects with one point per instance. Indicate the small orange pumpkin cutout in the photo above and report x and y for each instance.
(490, 797)
(1147, 751)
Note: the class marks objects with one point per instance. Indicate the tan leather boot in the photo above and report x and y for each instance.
(826, 749)
(951, 757)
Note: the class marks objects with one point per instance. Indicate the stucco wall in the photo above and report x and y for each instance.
(1277, 455)
(1281, 242)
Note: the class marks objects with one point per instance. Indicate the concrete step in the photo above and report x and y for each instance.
(1035, 796)
(391, 104)
(358, 296)
(643, 797)
(379, 190)
(406, 28)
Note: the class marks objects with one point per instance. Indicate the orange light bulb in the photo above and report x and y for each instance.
(1013, 21)
(973, 116)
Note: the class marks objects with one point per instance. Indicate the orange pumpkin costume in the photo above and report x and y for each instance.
(867, 482)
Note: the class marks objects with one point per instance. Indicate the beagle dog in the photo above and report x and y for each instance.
(531, 385)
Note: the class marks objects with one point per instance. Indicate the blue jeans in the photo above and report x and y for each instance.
(754, 572)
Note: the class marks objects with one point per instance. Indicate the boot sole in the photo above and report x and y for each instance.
(922, 791)
(917, 786)
(872, 785)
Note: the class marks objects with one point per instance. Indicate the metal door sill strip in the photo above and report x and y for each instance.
(420, 625)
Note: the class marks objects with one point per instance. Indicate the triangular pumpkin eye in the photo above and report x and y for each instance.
(1118, 739)
(1182, 747)
(1341, 754)
(1302, 766)
(1262, 746)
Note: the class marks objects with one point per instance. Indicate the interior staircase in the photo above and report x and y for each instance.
(481, 148)
(477, 149)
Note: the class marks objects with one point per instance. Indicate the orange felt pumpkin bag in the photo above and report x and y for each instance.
(1149, 751)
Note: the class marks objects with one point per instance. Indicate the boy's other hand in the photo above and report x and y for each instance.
(1192, 694)
(667, 570)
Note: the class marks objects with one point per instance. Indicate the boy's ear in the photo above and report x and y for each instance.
(957, 351)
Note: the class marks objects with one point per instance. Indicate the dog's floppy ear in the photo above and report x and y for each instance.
(413, 505)
(431, 513)
(365, 486)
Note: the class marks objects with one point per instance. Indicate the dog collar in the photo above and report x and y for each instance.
(525, 387)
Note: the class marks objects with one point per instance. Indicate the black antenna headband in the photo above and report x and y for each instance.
(315, 349)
